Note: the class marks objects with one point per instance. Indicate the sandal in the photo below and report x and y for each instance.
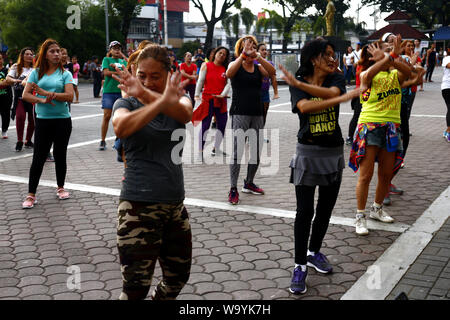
(62, 194)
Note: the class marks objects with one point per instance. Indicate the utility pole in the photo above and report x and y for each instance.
(357, 10)
(106, 24)
(166, 37)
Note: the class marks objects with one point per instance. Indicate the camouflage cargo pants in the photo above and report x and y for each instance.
(147, 232)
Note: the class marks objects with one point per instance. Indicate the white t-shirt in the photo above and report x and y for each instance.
(348, 59)
(13, 72)
(356, 55)
(446, 78)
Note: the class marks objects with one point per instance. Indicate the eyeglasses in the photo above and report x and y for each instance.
(328, 56)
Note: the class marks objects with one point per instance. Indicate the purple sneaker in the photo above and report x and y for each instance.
(252, 188)
(298, 282)
(319, 262)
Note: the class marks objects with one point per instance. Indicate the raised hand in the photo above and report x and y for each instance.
(249, 48)
(376, 52)
(128, 82)
(287, 76)
(398, 46)
(174, 88)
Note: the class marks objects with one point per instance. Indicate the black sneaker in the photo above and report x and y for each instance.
(29, 144)
(19, 146)
(102, 146)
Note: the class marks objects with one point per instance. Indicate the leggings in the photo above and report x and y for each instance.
(430, 69)
(5, 108)
(305, 212)
(21, 115)
(356, 106)
(242, 126)
(221, 119)
(190, 88)
(48, 132)
(404, 127)
(150, 232)
(446, 96)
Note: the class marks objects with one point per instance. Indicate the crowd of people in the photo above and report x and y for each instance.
(148, 96)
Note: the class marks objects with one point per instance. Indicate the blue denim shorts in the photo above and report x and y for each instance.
(377, 137)
(265, 97)
(108, 99)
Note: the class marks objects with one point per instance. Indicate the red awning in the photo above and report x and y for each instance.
(173, 5)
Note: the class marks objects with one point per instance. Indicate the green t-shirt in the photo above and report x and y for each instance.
(384, 100)
(52, 83)
(110, 85)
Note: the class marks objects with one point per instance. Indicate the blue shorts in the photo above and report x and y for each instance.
(265, 96)
(377, 137)
(108, 99)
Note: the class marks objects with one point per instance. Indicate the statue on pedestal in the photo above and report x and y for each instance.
(329, 17)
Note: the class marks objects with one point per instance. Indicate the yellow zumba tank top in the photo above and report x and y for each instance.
(383, 102)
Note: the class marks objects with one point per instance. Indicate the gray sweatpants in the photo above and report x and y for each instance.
(246, 126)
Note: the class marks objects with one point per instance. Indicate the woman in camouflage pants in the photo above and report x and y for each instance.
(153, 223)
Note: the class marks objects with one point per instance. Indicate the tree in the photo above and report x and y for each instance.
(427, 12)
(247, 18)
(292, 11)
(127, 10)
(30, 22)
(211, 22)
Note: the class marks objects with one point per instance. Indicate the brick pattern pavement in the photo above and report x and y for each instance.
(236, 255)
(429, 276)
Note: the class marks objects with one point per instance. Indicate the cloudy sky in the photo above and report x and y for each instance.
(255, 5)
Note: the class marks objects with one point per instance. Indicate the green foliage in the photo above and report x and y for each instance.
(339, 21)
(30, 22)
(427, 12)
(127, 9)
(247, 18)
(189, 46)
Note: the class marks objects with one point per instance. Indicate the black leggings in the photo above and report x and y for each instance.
(48, 132)
(356, 106)
(5, 110)
(430, 69)
(446, 96)
(305, 212)
(404, 126)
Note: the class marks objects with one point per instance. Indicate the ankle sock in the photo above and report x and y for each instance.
(302, 266)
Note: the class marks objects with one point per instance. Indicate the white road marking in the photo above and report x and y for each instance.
(74, 118)
(70, 146)
(397, 259)
(373, 225)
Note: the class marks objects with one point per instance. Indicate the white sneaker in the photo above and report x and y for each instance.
(380, 215)
(361, 225)
(4, 135)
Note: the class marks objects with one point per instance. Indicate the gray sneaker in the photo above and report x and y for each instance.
(380, 215)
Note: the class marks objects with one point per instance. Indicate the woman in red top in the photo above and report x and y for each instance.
(189, 71)
(216, 86)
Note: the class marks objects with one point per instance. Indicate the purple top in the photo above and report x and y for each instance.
(266, 80)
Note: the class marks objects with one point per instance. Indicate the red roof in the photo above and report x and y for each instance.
(398, 15)
(406, 31)
(172, 5)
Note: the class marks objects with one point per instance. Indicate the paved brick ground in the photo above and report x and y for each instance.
(429, 277)
(237, 255)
